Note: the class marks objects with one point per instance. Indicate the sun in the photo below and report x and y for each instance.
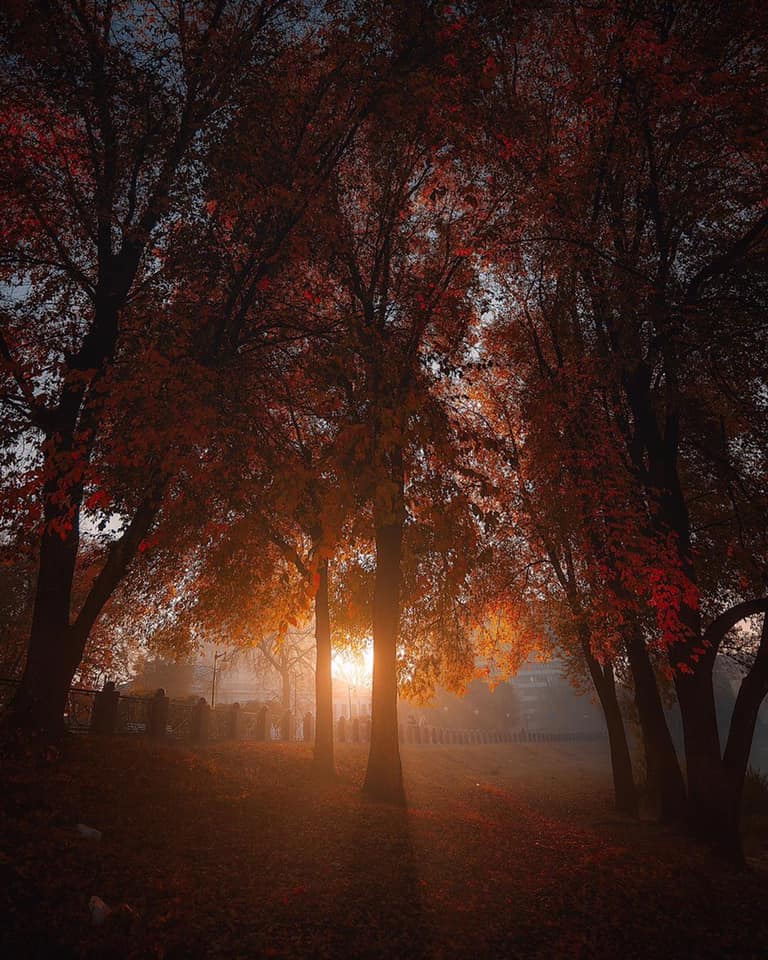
(354, 666)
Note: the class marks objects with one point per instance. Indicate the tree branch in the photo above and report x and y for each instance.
(715, 632)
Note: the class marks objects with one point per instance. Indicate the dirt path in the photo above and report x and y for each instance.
(507, 851)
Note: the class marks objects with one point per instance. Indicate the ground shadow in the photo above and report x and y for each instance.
(380, 913)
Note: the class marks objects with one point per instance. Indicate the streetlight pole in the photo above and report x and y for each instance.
(216, 658)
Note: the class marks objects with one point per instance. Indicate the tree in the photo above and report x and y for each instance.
(399, 258)
(129, 128)
(659, 230)
(288, 656)
(16, 589)
(111, 116)
(539, 576)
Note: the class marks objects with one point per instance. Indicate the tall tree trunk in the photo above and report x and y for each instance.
(665, 778)
(712, 813)
(38, 707)
(57, 642)
(621, 762)
(707, 790)
(715, 785)
(323, 750)
(384, 776)
(55, 650)
(707, 794)
(752, 692)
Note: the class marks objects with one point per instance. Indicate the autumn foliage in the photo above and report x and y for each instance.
(443, 324)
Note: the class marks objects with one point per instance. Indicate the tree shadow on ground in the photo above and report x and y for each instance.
(380, 913)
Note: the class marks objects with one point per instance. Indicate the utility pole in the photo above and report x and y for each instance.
(216, 657)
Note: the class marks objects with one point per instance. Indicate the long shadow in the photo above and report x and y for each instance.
(381, 913)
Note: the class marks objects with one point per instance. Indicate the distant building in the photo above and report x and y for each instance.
(538, 699)
(548, 702)
(241, 677)
(236, 679)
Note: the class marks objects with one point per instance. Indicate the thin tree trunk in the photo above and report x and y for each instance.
(285, 686)
(621, 761)
(384, 776)
(665, 778)
(323, 749)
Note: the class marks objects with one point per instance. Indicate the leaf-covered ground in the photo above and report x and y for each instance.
(241, 851)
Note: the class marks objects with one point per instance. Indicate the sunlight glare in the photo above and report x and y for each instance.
(354, 666)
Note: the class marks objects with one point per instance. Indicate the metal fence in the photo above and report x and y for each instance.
(190, 719)
(426, 735)
(77, 711)
(194, 720)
